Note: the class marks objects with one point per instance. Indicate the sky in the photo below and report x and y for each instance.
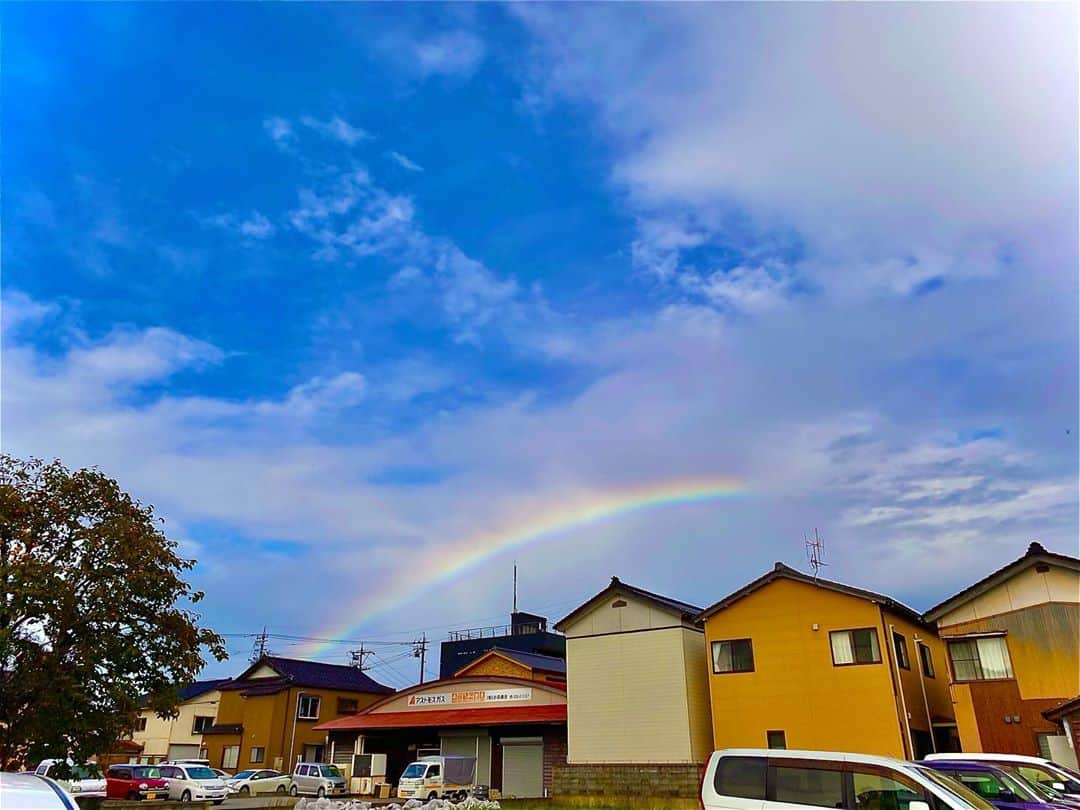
(372, 301)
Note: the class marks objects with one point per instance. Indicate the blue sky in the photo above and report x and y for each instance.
(338, 285)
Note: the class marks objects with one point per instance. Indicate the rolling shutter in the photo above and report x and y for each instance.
(523, 767)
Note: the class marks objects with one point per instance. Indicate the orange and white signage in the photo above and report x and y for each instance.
(470, 697)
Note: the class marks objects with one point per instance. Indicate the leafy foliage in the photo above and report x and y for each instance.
(94, 616)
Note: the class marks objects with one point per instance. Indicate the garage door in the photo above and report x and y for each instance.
(183, 752)
(523, 767)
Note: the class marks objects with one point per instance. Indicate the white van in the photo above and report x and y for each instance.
(81, 781)
(1043, 773)
(770, 779)
(317, 779)
(193, 783)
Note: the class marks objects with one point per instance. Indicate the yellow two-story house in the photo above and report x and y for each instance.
(161, 738)
(267, 715)
(1014, 654)
(801, 662)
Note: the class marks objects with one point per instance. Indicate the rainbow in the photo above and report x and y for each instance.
(449, 562)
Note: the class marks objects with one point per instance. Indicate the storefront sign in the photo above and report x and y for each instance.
(470, 697)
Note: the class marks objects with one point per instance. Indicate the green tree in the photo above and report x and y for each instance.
(94, 613)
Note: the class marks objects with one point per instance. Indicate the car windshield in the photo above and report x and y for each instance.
(82, 772)
(1021, 787)
(330, 770)
(414, 771)
(955, 788)
(244, 774)
(200, 772)
(147, 772)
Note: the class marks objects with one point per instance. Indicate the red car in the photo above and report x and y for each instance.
(135, 782)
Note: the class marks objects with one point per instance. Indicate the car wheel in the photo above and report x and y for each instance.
(219, 801)
(321, 792)
(432, 796)
(280, 789)
(293, 791)
(185, 796)
(245, 791)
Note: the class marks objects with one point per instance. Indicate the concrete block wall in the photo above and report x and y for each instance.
(659, 780)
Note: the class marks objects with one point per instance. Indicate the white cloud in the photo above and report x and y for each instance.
(404, 162)
(455, 53)
(336, 129)
(255, 226)
(280, 130)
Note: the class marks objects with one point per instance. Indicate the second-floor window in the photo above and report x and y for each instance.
(927, 660)
(980, 659)
(347, 705)
(855, 647)
(734, 655)
(201, 724)
(140, 724)
(900, 645)
(307, 708)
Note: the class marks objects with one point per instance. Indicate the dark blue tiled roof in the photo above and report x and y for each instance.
(545, 663)
(318, 675)
(201, 687)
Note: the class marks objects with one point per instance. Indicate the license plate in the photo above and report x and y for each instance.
(151, 795)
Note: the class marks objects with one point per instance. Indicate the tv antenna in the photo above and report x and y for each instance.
(815, 552)
(258, 649)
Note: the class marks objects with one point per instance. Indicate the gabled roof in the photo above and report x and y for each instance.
(534, 661)
(681, 609)
(1035, 555)
(313, 674)
(193, 690)
(781, 571)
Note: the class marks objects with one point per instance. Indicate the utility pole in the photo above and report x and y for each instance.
(357, 657)
(420, 651)
(259, 648)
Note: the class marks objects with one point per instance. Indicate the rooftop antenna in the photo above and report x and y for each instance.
(815, 552)
(515, 586)
(258, 649)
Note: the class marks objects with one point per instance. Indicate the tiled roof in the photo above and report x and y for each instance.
(504, 715)
(1034, 555)
(544, 663)
(781, 571)
(313, 674)
(201, 688)
(681, 609)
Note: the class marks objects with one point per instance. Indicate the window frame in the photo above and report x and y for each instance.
(783, 737)
(973, 640)
(300, 701)
(140, 723)
(262, 755)
(851, 631)
(807, 764)
(195, 723)
(224, 757)
(712, 653)
(926, 661)
(900, 648)
(761, 762)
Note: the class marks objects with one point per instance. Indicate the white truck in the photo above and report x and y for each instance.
(448, 776)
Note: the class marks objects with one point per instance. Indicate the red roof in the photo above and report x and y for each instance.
(504, 715)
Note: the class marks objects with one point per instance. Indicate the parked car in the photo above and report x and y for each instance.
(735, 779)
(317, 779)
(81, 781)
(265, 780)
(1053, 779)
(194, 783)
(1002, 789)
(27, 791)
(136, 782)
(225, 776)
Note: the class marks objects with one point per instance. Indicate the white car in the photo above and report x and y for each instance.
(194, 783)
(774, 779)
(24, 791)
(81, 781)
(265, 780)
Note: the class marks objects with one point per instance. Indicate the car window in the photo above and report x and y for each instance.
(982, 782)
(951, 786)
(331, 771)
(200, 772)
(42, 770)
(433, 771)
(1045, 776)
(818, 787)
(876, 791)
(83, 772)
(121, 773)
(741, 777)
(244, 775)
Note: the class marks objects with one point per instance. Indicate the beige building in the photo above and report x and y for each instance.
(180, 736)
(637, 680)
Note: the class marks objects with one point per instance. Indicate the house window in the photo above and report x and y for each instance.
(230, 755)
(814, 786)
(258, 754)
(900, 645)
(735, 655)
(347, 705)
(927, 660)
(855, 647)
(776, 739)
(307, 707)
(140, 724)
(980, 659)
(202, 724)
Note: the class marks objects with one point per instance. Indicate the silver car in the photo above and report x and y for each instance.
(317, 779)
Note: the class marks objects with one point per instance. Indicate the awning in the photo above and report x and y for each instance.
(503, 716)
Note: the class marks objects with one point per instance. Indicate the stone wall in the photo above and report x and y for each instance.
(675, 781)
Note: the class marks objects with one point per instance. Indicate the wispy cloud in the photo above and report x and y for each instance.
(336, 128)
(254, 226)
(456, 53)
(404, 162)
(280, 130)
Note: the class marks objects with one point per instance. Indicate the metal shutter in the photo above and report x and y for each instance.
(184, 751)
(523, 768)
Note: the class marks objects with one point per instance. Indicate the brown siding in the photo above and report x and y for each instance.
(993, 701)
